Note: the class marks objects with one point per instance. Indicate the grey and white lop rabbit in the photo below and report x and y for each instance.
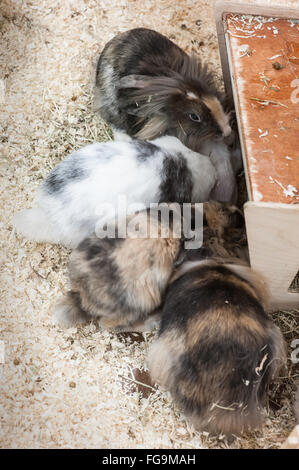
(84, 189)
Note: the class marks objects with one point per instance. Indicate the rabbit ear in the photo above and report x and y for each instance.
(147, 98)
(155, 126)
(160, 84)
(149, 90)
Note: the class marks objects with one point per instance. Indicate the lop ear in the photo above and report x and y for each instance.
(134, 81)
(147, 98)
(152, 88)
(153, 127)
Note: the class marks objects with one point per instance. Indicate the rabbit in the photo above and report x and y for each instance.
(146, 86)
(70, 201)
(120, 281)
(227, 165)
(217, 350)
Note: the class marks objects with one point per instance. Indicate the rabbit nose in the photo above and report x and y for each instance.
(226, 131)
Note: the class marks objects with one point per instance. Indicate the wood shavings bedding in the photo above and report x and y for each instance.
(62, 388)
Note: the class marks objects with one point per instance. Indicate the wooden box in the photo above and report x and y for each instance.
(259, 49)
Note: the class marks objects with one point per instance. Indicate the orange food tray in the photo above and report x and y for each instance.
(259, 51)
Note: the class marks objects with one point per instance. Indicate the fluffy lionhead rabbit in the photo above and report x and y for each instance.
(146, 86)
(217, 349)
(120, 281)
(70, 201)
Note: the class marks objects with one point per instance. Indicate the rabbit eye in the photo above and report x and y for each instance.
(194, 117)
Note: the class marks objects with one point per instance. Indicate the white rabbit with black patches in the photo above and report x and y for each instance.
(69, 200)
(146, 86)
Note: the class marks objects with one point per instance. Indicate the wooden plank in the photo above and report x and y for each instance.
(271, 177)
(222, 7)
(266, 99)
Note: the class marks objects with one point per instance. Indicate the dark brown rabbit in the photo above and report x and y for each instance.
(119, 281)
(146, 86)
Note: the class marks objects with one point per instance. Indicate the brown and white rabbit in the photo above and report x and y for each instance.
(217, 349)
(120, 281)
(146, 86)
